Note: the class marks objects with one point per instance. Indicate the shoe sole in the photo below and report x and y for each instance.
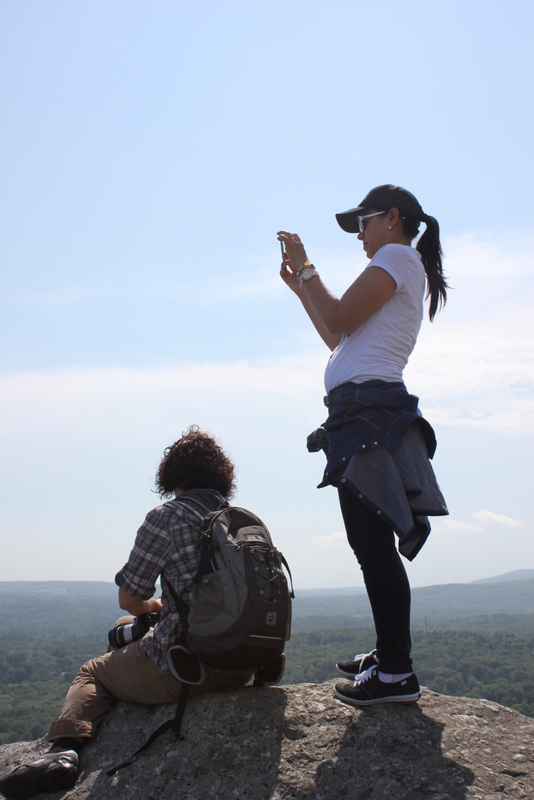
(22, 787)
(402, 699)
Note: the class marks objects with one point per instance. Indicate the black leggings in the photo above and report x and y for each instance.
(373, 542)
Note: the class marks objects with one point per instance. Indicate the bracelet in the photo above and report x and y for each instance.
(305, 273)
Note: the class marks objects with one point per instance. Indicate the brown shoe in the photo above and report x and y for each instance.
(49, 773)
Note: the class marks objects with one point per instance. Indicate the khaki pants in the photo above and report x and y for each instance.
(127, 675)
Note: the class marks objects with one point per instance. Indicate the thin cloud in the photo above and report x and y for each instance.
(482, 520)
(94, 399)
(266, 286)
(474, 367)
(490, 518)
(330, 540)
(455, 526)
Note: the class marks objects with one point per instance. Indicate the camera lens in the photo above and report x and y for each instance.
(120, 636)
(126, 634)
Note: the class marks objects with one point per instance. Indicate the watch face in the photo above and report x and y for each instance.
(306, 274)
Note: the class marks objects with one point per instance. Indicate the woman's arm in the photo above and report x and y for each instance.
(289, 277)
(362, 299)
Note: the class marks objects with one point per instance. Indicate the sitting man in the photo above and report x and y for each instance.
(166, 545)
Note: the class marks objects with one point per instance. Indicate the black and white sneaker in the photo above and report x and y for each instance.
(368, 689)
(362, 661)
(51, 772)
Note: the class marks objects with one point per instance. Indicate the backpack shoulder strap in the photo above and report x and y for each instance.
(201, 501)
(193, 501)
(193, 505)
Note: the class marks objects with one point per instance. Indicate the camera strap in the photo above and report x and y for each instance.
(174, 724)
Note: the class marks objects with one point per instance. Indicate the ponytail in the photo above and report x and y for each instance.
(429, 246)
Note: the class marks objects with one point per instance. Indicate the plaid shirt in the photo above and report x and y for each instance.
(166, 544)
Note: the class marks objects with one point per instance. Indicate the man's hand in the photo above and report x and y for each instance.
(136, 607)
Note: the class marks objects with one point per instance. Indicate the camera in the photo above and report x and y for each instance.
(122, 635)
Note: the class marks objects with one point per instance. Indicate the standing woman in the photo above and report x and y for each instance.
(377, 443)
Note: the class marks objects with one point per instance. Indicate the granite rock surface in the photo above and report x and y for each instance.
(299, 742)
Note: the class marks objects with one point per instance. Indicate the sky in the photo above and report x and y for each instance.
(149, 153)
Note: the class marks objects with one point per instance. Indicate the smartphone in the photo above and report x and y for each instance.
(283, 252)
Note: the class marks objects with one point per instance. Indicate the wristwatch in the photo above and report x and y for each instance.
(306, 272)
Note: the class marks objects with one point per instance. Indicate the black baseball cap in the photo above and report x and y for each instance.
(382, 198)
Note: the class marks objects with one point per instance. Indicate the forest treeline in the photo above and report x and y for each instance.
(77, 613)
(35, 673)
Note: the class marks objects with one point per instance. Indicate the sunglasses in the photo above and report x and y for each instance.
(363, 220)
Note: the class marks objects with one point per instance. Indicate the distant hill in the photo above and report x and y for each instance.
(105, 589)
(59, 588)
(433, 602)
(516, 575)
(345, 590)
(89, 608)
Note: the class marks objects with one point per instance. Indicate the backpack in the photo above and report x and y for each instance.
(240, 612)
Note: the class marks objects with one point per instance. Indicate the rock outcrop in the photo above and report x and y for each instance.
(299, 742)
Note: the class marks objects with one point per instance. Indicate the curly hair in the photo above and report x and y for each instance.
(195, 462)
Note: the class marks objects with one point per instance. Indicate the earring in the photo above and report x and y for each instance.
(389, 227)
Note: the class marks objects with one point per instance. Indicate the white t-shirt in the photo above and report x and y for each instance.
(380, 348)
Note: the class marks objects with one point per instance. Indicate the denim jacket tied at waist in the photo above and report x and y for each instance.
(378, 445)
